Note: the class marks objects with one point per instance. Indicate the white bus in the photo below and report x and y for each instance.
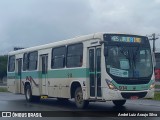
(97, 67)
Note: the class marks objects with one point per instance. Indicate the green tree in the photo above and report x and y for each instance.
(3, 66)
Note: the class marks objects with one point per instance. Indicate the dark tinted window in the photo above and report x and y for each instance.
(91, 60)
(32, 59)
(11, 64)
(98, 58)
(58, 57)
(75, 55)
(19, 66)
(157, 57)
(25, 61)
(158, 65)
(44, 64)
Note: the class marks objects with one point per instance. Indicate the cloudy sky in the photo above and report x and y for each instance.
(26, 23)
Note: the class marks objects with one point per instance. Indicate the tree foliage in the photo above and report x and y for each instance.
(3, 66)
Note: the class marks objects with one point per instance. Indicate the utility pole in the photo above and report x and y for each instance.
(154, 38)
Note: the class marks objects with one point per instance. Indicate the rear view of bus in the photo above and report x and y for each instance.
(129, 68)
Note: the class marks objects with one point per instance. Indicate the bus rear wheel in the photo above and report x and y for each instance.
(29, 96)
(80, 103)
(119, 103)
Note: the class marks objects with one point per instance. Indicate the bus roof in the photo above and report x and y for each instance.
(63, 42)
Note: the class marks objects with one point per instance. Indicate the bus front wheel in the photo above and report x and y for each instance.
(119, 103)
(80, 103)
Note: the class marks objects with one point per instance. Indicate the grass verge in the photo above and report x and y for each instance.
(3, 89)
(156, 96)
(157, 86)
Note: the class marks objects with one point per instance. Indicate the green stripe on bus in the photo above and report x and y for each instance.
(65, 73)
(73, 73)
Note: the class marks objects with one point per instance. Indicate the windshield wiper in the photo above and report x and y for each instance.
(126, 53)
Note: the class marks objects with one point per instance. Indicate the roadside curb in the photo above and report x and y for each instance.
(3, 86)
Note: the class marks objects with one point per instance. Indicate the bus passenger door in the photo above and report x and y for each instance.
(44, 71)
(95, 72)
(18, 81)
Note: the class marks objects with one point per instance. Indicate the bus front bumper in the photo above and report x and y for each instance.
(120, 95)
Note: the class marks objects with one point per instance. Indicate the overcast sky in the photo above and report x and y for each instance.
(26, 23)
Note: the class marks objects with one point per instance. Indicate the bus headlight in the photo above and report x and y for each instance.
(152, 85)
(110, 85)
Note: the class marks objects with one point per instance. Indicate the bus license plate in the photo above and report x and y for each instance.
(134, 97)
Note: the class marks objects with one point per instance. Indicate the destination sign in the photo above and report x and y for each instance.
(126, 39)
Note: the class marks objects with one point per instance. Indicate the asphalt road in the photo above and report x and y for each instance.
(16, 102)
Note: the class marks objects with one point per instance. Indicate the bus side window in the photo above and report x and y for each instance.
(25, 62)
(58, 57)
(11, 64)
(33, 57)
(75, 55)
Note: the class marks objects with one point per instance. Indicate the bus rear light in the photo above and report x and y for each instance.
(110, 85)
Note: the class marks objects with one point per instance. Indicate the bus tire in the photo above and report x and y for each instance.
(29, 96)
(80, 103)
(28, 93)
(119, 103)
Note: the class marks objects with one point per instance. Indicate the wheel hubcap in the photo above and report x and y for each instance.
(79, 98)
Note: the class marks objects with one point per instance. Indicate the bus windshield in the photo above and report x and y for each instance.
(128, 60)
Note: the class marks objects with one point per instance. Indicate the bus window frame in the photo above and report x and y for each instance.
(32, 61)
(10, 70)
(81, 56)
(64, 59)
